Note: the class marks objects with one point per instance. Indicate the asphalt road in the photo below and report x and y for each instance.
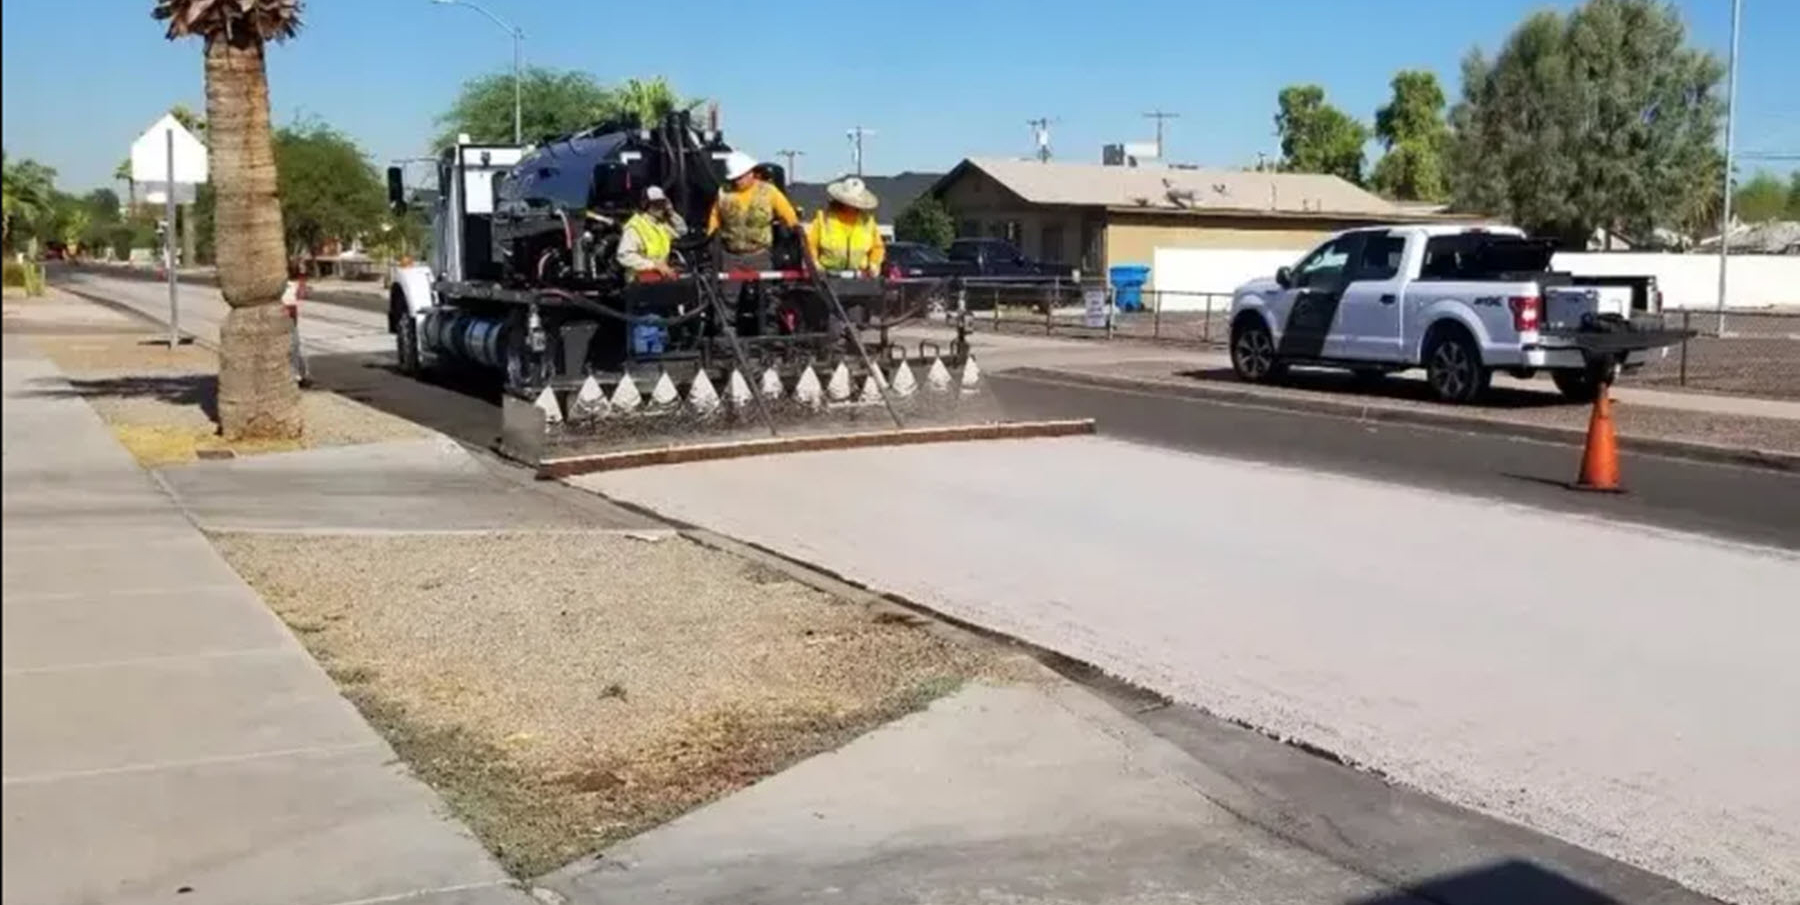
(1732, 502)
(1738, 503)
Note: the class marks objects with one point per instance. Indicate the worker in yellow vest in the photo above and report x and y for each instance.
(845, 236)
(744, 215)
(649, 235)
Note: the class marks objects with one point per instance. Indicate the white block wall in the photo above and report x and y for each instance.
(1687, 281)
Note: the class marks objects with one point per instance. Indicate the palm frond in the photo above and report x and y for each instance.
(234, 20)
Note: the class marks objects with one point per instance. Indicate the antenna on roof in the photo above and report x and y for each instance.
(1040, 135)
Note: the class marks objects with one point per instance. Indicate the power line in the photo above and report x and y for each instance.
(857, 134)
(1159, 115)
(790, 155)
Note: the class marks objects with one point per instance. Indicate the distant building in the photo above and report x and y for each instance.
(895, 192)
(1096, 216)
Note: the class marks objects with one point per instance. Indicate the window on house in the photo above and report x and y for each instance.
(968, 228)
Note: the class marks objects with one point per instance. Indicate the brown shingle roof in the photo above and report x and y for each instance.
(1167, 189)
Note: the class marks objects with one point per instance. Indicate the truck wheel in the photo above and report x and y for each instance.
(1253, 353)
(1577, 384)
(406, 344)
(1453, 367)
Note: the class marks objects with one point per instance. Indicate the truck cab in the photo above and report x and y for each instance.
(1460, 301)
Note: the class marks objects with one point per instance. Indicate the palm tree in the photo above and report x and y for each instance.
(648, 101)
(257, 394)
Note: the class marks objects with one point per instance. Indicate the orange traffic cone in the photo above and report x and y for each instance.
(1600, 460)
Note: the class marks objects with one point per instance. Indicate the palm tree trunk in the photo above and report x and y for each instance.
(257, 394)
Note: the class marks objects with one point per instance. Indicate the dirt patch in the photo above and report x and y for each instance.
(563, 692)
(162, 403)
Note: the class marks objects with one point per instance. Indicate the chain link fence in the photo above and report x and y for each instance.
(1752, 353)
(1749, 353)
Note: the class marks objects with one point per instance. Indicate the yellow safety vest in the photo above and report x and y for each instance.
(747, 226)
(845, 246)
(655, 236)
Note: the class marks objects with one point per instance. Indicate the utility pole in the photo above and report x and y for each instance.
(1737, 10)
(790, 155)
(1159, 116)
(857, 133)
(1040, 133)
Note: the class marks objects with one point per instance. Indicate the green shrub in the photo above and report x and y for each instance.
(24, 274)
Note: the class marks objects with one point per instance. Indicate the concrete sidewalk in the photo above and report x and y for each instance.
(164, 734)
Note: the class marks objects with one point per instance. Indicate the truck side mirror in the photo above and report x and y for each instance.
(1284, 277)
(396, 191)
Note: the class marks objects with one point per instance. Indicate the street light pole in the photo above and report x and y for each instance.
(1737, 11)
(518, 38)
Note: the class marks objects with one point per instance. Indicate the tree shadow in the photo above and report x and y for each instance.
(200, 390)
(1405, 389)
(1512, 882)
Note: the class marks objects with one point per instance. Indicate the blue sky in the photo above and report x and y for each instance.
(937, 80)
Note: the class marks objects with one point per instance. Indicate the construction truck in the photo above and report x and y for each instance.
(601, 370)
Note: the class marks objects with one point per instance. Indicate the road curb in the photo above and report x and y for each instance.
(122, 308)
(1680, 449)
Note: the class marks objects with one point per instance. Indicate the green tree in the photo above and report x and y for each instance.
(1793, 196)
(257, 394)
(1600, 118)
(926, 220)
(553, 102)
(1759, 199)
(329, 189)
(1317, 137)
(29, 194)
(1412, 130)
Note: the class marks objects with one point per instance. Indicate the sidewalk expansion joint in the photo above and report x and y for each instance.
(312, 751)
(153, 661)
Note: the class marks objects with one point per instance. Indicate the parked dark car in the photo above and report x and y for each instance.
(921, 275)
(916, 260)
(1000, 259)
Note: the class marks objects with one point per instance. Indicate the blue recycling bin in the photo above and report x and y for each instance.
(1128, 286)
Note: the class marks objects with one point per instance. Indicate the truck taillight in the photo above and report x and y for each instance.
(1527, 311)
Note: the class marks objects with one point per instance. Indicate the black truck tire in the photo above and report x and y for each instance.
(1453, 366)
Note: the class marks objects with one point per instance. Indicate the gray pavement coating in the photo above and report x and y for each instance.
(1617, 686)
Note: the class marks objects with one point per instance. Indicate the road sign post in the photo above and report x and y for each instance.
(169, 160)
(169, 243)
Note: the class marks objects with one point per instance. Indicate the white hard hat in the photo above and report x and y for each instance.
(654, 193)
(737, 163)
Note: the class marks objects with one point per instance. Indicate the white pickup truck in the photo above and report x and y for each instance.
(1460, 301)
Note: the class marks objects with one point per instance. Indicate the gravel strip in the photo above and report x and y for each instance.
(566, 691)
(161, 403)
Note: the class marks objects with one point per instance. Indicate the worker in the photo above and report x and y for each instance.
(744, 215)
(844, 236)
(648, 236)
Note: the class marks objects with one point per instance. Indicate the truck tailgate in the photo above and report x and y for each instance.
(1568, 307)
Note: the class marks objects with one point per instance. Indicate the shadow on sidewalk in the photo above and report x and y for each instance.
(200, 390)
(1343, 383)
(1501, 883)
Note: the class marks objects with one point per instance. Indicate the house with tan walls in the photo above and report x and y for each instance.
(1094, 217)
